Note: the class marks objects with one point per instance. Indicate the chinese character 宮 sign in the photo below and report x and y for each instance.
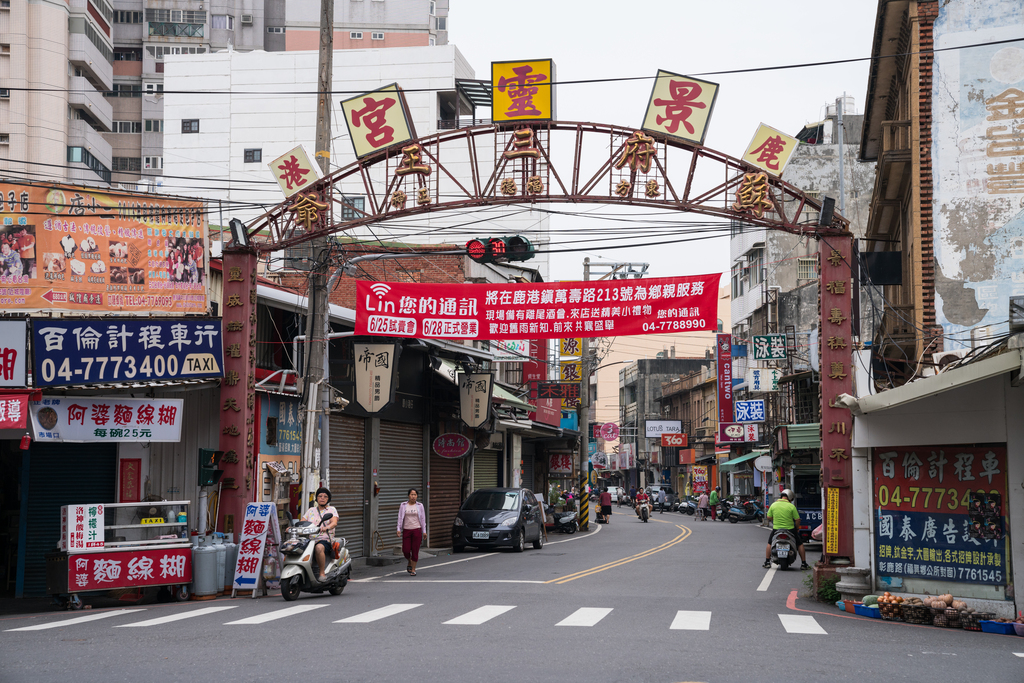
(770, 150)
(375, 372)
(99, 419)
(537, 310)
(770, 347)
(377, 120)
(522, 90)
(940, 513)
(680, 107)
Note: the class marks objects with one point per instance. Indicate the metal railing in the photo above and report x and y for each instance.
(462, 122)
(895, 136)
(898, 323)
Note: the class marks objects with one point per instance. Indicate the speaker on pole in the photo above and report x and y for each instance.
(828, 208)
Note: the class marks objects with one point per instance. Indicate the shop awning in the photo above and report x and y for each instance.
(743, 458)
(803, 436)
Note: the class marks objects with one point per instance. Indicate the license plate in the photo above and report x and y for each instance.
(483, 535)
(782, 552)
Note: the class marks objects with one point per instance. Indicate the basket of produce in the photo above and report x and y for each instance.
(916, 612)
(870, 611)
(945, 617)
(970, 619)
(891, 607)
(1002, 627)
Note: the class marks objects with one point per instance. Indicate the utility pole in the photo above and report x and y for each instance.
(585, 420)
(317, 317)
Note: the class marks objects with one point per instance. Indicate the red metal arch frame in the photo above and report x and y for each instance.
(449, 152)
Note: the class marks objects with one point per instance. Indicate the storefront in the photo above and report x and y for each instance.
(941, 462)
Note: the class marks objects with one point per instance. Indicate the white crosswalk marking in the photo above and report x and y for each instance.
(76, 620)
(276, 614)
(380, 613)
(691, 621)
(1019, 654)
(480, 615)
(585, 616)
(799, 623)
(177, 617)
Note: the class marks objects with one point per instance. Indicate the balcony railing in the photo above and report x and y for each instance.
(452, 124)
(895, 136)
(164, 28)
(898, 324)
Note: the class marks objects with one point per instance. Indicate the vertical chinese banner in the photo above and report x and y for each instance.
(836, 378)
(723, 356)
(128, 480)
(375, 375)
(238, 390)
(549, 410)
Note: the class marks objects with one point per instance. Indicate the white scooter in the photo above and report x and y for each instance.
(783, 550)
(300, 573)
(643, 510)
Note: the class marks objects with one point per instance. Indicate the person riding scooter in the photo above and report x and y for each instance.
(638, 500)
(785, 517)
(325, 540)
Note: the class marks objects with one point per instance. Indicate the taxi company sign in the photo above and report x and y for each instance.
(537, 310)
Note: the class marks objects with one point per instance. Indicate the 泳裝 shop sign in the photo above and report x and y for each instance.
(94, 350)
(106, 419)
(940, 513)
(73, 248)
(537, 310)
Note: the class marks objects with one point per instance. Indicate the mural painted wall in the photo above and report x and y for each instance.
(978, 157)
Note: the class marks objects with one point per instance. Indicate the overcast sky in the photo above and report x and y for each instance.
(602, 39)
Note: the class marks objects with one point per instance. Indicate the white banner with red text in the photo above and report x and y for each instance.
(115, 418)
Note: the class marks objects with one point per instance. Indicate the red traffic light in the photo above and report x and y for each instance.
(477, 250)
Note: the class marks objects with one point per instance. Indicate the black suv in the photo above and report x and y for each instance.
(492, 518)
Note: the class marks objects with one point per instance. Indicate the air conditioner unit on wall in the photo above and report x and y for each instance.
(246, 19)
(944, 358)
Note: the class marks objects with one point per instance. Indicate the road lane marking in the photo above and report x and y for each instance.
(384, 576)
(177, 617)
(458, 581)
(799, 623)
(585, 616)
(1019, 654)
(691, 621)
(76, 620)
(277, 614)
(480, 615)
(767, 580)
(379, 613)
(626, 560)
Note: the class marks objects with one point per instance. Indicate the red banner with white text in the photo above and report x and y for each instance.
(611, 308)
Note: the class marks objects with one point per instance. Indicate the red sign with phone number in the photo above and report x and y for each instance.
(538, 311)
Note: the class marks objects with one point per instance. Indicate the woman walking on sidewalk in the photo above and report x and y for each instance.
(411, 520)
(702, 506)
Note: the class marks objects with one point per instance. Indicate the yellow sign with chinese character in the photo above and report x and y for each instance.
(377, 120)
(523, 91)
(570, 371)
(294, 171)
(832, 521)
(680, 107)
(770, 150)
(573, 346)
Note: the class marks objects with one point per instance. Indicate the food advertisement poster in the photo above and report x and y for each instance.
(65, 248)
(940, 513)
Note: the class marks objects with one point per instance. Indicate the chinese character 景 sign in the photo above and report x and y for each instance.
(522, 90)
(81, 527)
(95, 351)
(541, 311)
(680, 107)
(723, 372)
(107, 570)
(750, 411)
(12, 353)
(475, 397)
(293, 171)
(940, 513)
(98, 419)
(770, 347)
(375, 372)
(259, 519)
(770, 150)
(69, 248)
(377, 120)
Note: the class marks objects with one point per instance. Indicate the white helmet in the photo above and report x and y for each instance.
(790, 496)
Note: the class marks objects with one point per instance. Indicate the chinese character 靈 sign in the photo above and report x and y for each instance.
(523, 91)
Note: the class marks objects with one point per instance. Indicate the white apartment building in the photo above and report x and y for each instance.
(218, 146)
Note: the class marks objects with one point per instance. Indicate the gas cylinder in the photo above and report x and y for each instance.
(222, 555)
(230, 560)
(206, 582)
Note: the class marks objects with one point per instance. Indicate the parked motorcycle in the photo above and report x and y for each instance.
(783, 550)
(643, 510)
(300, 572)
(745, 512)
(564, 522)
(688, 507)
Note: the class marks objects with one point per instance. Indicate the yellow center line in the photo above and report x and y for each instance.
(625, 560)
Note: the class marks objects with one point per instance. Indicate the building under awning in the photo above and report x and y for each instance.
(743, 458)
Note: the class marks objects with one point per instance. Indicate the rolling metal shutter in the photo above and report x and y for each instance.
(485, 469)
(445, 498)
(527, 474)
(348, 458)
(401, 468)
(62, 474)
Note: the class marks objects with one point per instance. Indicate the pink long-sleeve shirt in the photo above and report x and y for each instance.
(419, 511)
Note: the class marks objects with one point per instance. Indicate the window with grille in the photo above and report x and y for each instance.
(128, 55)
(127, 127)
(376, 35)
(253, 156)
(275, 29)
(154, 125)
(126, 17)
(355, 35)
(357, 204)
(124, 90)
(127, 164)
(807, 268)
(442, 23)
(756, 265)
(189, 126)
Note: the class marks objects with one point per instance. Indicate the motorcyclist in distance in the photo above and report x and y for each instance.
(785, 517)
(641, 497)
(325, 538)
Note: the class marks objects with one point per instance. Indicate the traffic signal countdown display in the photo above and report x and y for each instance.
(494, 249)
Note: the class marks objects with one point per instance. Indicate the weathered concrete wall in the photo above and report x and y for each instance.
(978, 157)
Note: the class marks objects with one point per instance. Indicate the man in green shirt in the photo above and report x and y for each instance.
(713, 503)
(785, 516)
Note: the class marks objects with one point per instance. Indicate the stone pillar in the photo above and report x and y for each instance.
(237, 391)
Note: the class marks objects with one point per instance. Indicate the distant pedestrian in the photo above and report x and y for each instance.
(606, 506)
(411, 521)
(632, 493)
(713, 502)
(702, 506)
(661, 501)
(543, 517)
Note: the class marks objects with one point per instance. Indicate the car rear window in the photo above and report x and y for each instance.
(492, 500)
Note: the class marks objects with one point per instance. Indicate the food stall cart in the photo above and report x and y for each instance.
(114, 546)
